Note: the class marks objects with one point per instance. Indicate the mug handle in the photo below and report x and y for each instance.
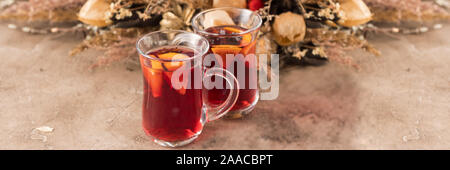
(214, 113)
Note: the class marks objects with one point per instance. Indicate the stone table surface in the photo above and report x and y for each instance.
(400, 100)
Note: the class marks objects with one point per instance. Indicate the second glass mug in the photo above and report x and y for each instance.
(173, 112)
(232, 35)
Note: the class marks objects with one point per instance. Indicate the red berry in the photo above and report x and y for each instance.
(255, 4)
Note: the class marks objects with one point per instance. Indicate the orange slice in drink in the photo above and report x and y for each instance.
(249, 48)
(246, 38)
(181, 90)
(223, 50)
(171, 65)
(153, 77)
(157, 65)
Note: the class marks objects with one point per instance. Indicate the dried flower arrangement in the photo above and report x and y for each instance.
(301, 31)
(41, 10)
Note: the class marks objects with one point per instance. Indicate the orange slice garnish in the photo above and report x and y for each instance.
(153, 78)
(168, 66)
(154, 75)
(182, 90)
(246, 38)
(249, 48)
(157, 65)
(223, 50)
(173, 56)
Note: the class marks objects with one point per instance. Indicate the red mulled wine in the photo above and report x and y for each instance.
(231, 40)
(170, 114)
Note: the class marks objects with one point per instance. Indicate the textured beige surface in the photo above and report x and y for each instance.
(398, 101)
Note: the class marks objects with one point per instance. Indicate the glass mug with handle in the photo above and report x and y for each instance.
(174, 108)
(232, 34)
